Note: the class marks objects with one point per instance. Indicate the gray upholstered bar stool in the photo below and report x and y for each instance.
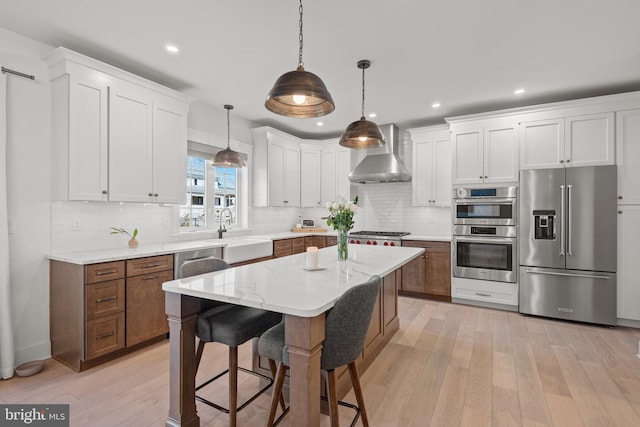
(231, 325)
(346, 326)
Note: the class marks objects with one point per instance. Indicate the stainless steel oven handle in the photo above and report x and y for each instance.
(569, 215)
(505, 240)
(586, 276)
(497, 201)
(562, 224)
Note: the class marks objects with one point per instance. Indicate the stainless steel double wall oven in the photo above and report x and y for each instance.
(485, 233)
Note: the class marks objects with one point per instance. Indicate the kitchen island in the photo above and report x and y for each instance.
(281, 285)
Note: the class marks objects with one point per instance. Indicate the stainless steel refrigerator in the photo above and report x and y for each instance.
(568, 242)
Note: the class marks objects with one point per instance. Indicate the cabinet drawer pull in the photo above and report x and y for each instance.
(105, 272)
(482, 295)
(151, 265)
(105, 299)
(151, 277)
(107, 335)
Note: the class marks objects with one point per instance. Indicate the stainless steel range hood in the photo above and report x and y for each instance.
(382, 164)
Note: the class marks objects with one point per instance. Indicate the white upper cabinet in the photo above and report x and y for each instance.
(276, 172)
(311, 176)
(586, 140)
(336, 165)
(431, 180)
(628, 156)
(486, 152)
(117, 137)
(343, 168)
(627, 274)
(328, 186)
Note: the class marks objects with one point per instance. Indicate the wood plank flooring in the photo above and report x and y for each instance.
(449, 365)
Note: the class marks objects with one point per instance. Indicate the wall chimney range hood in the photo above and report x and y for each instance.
(382, 164)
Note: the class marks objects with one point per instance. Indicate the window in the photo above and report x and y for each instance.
(211, 192)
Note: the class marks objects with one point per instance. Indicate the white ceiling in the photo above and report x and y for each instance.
(469, 55)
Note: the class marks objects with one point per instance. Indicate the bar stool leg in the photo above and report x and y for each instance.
(233, 385)
(277, 391)
(273, 369)
(333, 398)
(357, 389)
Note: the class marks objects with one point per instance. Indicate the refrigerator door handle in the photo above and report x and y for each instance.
(569, 215)
(562, 223)
(586, 276)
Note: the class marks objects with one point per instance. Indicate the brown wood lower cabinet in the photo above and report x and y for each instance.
(428, 276)
(317, 241)
(101, 311)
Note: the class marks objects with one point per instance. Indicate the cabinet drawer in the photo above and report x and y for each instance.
(298, 245)
(493, 296)
(154, 264)
(104, 298)
(282, 247)
(438, 246)
(102, 272)
(105, 335)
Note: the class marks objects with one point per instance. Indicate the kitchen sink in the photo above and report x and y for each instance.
(240, 249)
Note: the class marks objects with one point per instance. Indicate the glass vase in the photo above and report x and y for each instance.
(343, 250)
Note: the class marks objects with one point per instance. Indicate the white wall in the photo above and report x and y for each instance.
(28, 178)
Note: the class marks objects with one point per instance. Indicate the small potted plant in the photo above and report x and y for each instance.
(133, 243)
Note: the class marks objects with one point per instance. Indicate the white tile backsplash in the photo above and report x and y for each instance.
(385, 207)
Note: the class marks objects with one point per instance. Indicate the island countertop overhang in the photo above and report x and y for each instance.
(284, 286)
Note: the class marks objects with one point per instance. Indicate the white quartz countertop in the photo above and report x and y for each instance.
(284, 286)
(106, 255)
(427, 238)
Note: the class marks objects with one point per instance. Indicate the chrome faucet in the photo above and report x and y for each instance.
(221, 227)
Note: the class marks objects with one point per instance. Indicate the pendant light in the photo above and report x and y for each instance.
(362, 133)
(299, 93)
(228, 158)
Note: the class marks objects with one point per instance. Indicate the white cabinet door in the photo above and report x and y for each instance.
(431, 180)
(442, 170)
(542, 144)
(276, 172)
(88, 140)
(627, 274)
(628, 156)
(328, 185)
(343, 168)
(310, 177)
(423, 174)
(589, 140)
(292, 176)
(169, 153)
(500, 154)
(468, 157)
(130, 145)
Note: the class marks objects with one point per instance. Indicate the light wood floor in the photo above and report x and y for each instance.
(449, 365)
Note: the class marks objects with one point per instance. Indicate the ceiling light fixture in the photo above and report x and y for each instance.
(435, 105)
(518, 91)
(228, 158)
(320, 124)
(299, 93)
(362, 133)
(172, 48)
(372, 115)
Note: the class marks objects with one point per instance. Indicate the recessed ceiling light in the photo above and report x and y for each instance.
(372, 115)
(319, 123)
(435, 105)
(172, 48)
(518, 91)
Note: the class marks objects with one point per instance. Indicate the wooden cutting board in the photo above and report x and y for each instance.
(309, 230)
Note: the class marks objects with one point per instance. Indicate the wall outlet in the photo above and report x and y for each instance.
(76, 224)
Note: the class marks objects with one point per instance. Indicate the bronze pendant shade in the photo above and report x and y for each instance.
(362, 133)
(299, 93)
(228, 158)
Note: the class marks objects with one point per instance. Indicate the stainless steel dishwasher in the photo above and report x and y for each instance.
(181, 257)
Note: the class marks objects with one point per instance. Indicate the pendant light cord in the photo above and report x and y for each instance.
(228, 127)
(300, 63)
(363, 91)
